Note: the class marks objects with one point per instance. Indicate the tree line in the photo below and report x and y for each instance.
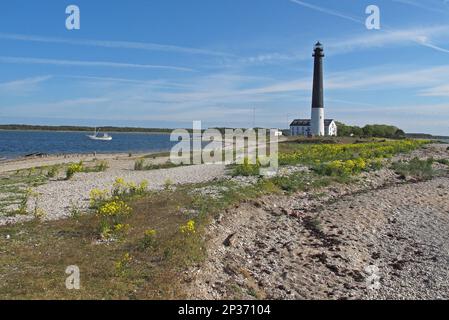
(371, 130)
(76, 128)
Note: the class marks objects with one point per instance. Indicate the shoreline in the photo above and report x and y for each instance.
(22, 163)
(84, 131)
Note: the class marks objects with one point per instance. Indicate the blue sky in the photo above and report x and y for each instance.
(165, 63)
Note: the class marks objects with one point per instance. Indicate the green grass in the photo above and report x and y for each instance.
(73, 168)
(443, 161)
(246, 169)
(140, 165)
(415, 168)
(99, 166)
(14, 186)
(319, 153)
(14, 189)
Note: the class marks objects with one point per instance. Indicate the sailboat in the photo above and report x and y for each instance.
(96, 136)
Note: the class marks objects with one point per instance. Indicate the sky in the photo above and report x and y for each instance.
(166, 63)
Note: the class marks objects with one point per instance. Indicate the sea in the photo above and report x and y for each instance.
(16, 144)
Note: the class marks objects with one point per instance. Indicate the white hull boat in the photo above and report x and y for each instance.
(97, 137)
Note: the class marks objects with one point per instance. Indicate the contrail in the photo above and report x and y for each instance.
(112, 44)
(328, 11)
(422, 42)
(21, 60)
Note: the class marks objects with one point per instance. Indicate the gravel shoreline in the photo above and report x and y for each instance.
(380, 238)
(58, 198)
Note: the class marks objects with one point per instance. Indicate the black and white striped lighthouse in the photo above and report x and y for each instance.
(317, 120)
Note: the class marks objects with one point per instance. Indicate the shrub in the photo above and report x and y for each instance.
(327, 152)
(31, 172)
(188, 228)
(102, 166)
(139, 189)
(341, 168)
(98, 197)
(149, 239)
(112, 214)
(115, 209)
(74, 168)
(139, 165)
(121, 188)
(122, 265)
(52, 172)
(39, 213)
(246, 169)
(23, 204)
(375, 164)
(75, 211)
(420, 169)
(291, 183)
(444, 161)
(168, 184)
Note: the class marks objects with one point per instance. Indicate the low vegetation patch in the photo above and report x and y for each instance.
(415, 168)
(341, 168)
(310, 155)
(247, 169)
(73, 168)
(341, 160)
(140, 165)
(15, 190)
(443, 161)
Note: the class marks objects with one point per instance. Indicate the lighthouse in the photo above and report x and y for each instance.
(317, 120)
(317, 125)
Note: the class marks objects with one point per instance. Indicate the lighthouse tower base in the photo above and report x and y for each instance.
(317, 123)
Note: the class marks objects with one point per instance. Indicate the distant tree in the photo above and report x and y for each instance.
(400, 134)
(371, 130)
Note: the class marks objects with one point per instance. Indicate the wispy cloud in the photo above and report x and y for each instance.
(396, 38)
(438, 91)
(369, 78)
(364, 41)
(423, 41)
(440, 6)
(107, 64)
(96, 80)
(327, 11)
(113, 44)
(57, 107)
(23, 85)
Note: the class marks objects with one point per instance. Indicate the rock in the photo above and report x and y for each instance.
(230, 240)
(375, 255)
(257, 204)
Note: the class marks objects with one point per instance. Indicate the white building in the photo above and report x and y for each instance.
(302, 127)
